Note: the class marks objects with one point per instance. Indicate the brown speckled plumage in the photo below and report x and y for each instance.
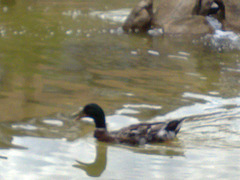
(135, 134)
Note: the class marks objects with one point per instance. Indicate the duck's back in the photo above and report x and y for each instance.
(147, 132)
(138, 133)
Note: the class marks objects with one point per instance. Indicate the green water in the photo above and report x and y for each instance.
(56, 56)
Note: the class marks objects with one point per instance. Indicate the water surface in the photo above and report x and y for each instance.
(56, 56)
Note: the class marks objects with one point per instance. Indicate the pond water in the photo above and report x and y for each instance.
(57, 56)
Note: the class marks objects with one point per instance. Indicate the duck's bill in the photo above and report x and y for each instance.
(79, 116)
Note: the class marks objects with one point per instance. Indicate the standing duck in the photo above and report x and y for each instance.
(134, 134)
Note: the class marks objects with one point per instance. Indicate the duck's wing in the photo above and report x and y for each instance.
(137, 133)
(148, 132)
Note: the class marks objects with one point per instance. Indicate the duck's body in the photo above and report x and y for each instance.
(140, 17)
(135, 134)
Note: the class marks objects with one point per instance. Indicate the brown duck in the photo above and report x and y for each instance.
(140, 17)
(135, 134)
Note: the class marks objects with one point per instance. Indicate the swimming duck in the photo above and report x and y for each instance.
(134, 134)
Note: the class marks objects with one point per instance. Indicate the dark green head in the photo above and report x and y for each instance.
(96, 112)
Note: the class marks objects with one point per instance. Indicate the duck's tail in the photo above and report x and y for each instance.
(169, 130)
(174, 125)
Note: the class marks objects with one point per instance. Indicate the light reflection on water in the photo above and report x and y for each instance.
(77, 159)
(56, 56)
(207, 142)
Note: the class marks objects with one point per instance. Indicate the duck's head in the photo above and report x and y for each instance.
(94, 111)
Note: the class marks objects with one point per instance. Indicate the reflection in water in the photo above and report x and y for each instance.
(8, 2)
(56, 145)
(171, 149)
(96, 168)
(5, 137)
(3, 157)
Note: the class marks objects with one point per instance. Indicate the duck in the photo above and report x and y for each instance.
(140, 17)
(136, 134)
